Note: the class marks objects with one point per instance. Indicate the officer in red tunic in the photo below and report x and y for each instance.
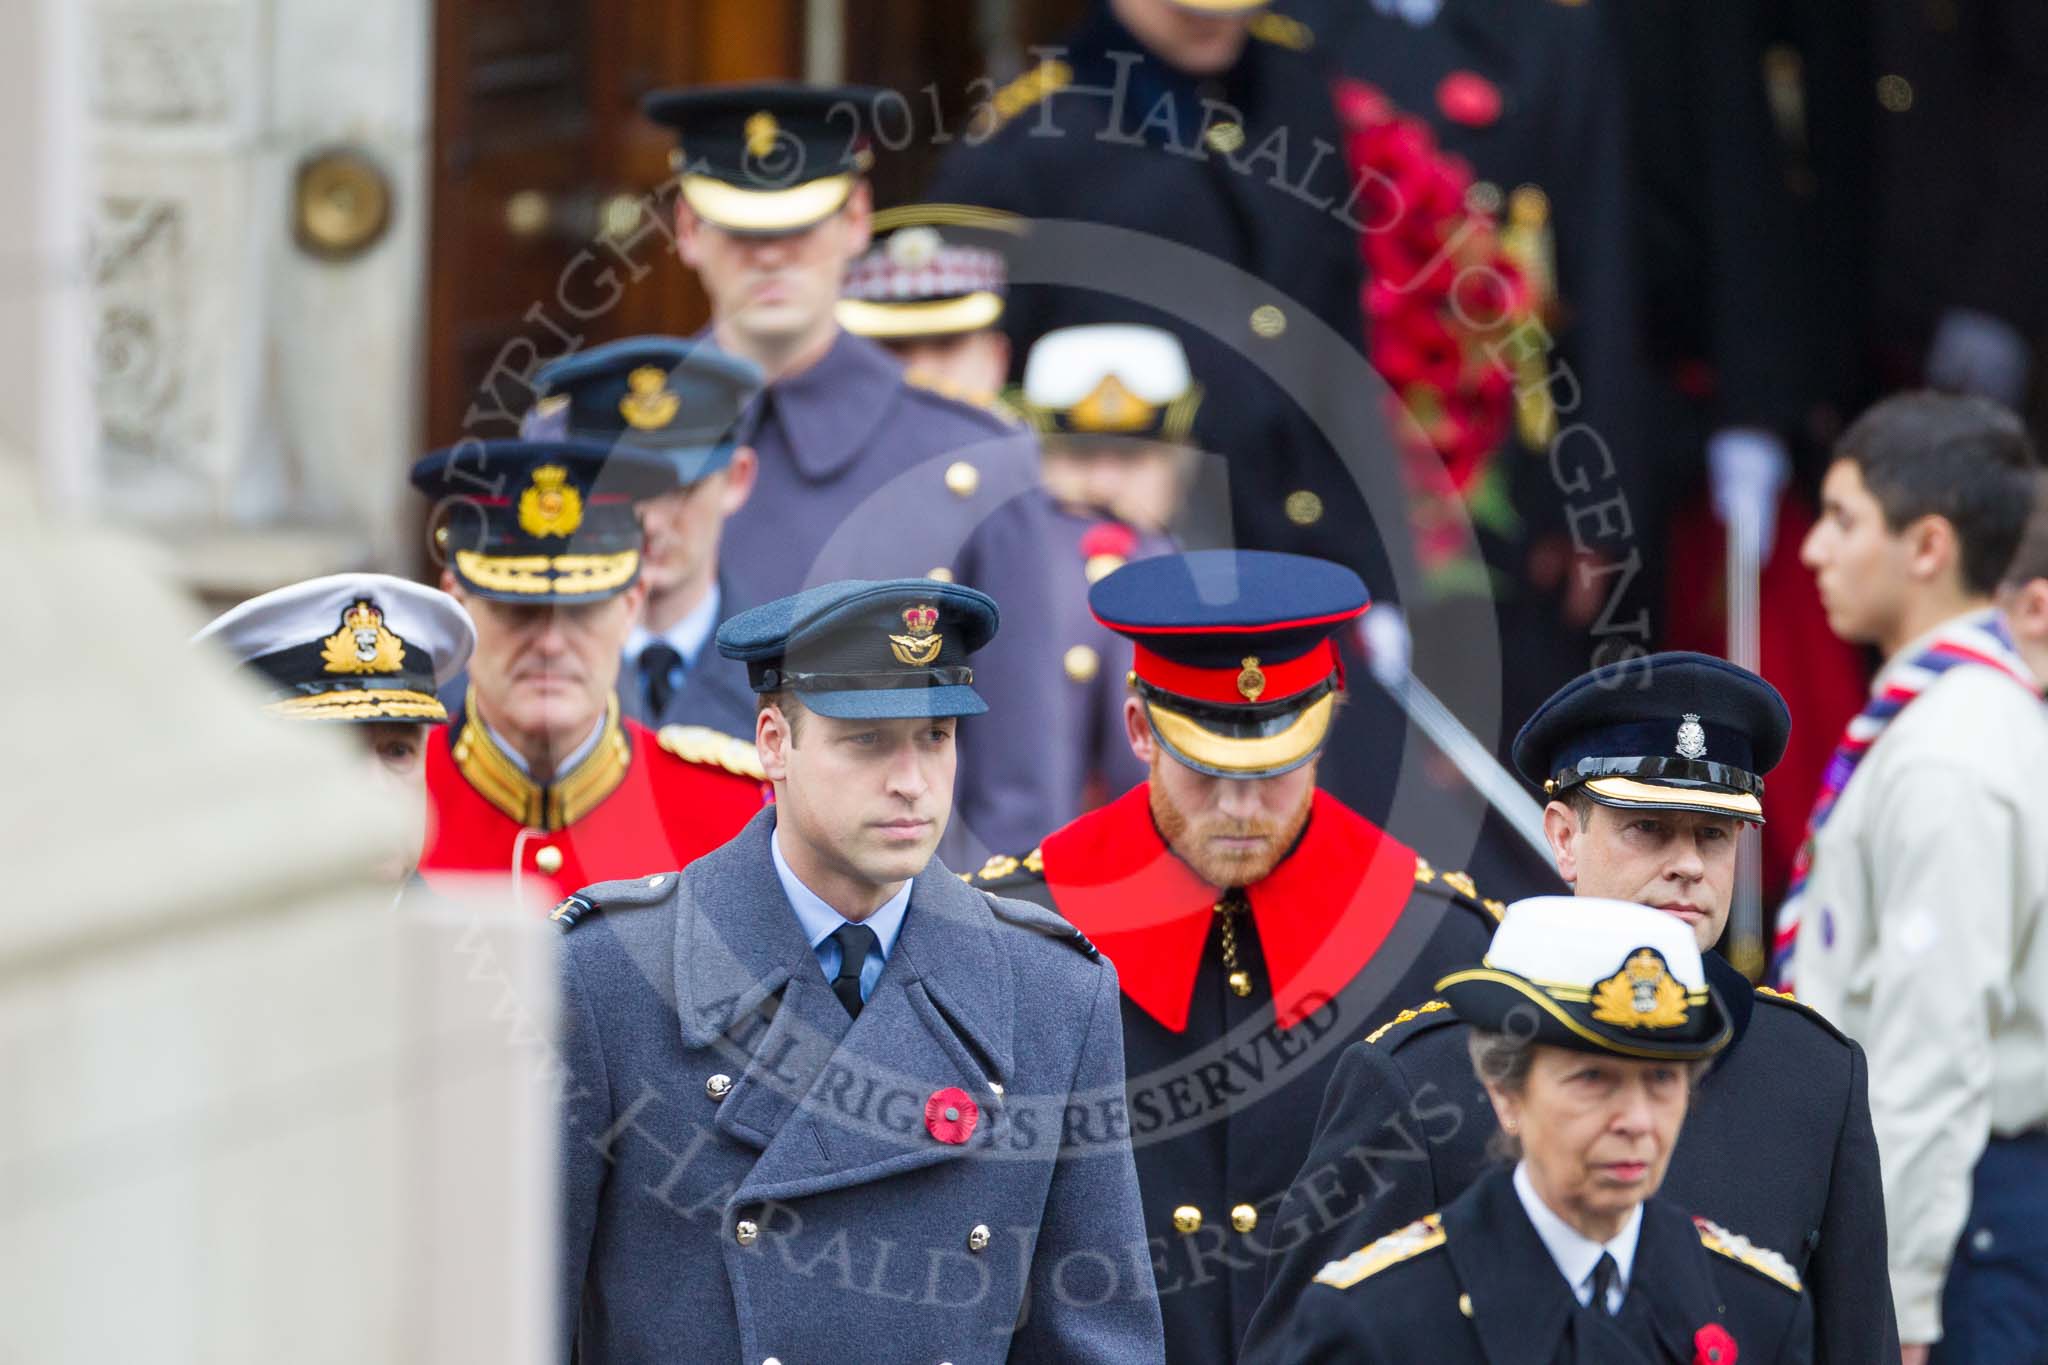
(1257, 925)
(539, 776)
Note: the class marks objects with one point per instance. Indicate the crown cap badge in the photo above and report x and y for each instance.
(552, 506)
(761, 130)
(1643, 994)
(1692, 738)
(1251, 679)
(362, 645)
(921, 645)
(648, 404)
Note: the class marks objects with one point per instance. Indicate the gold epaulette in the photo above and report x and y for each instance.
(1460, 882)
(701, 744)
(1736, 1247)
(1046, 79)
(1407, 1017)
(1425, 1234)
(1001, 865)
(1777, 994)
(1281, 31)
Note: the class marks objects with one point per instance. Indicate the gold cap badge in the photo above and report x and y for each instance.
(648, 405)
(1643, 994)
(1110, 406)
(761, 130)
(552, 507)
(921, 645)
(362, 645)
(1251, 681)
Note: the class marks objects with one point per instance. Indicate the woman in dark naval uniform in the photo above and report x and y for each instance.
(1590, 1020)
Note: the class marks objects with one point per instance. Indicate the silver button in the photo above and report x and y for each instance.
(745, 1232)
(1981, 1240)
(548, 858)
(654, 881)
(719, 1086)
(977, 1240)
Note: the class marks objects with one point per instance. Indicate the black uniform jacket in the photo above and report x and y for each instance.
(1221, 1087)
(1475, 1283)
(1778, 1144)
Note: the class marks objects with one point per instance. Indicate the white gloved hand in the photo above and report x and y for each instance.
(1388, 648)
(1747, 468)
(1974, 352)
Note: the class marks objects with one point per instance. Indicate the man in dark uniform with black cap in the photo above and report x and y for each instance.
(1651, 768)
(683, 400)
(1257, 924)
(540, 777)
(857, 1149)
(861, 474)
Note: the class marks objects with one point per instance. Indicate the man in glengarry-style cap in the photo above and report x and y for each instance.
(1257, 923)
(858, 1147)
(862, 475)
(1651, 767)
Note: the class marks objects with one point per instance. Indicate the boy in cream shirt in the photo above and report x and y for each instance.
(1918, 919)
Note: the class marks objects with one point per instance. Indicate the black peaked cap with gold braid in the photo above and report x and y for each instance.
(767, 158)
(349, 647)
(541, 521)
(1594, 975)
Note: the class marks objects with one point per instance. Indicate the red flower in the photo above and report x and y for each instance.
(1712, 1345)
(950, 1116)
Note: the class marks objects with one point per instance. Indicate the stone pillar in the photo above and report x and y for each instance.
(256, 316)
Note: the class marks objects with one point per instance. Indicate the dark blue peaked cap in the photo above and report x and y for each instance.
(1673, 731)
(868, 650)
(682, 398)
(1234, 658)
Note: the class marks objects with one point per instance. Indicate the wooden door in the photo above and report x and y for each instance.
(544, 173)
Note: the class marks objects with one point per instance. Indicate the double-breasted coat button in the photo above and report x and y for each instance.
(977, 1240)
(1303, 507)
(1225, 137)
(1268, 321)
(1244, 1217)
(548, 858)
(1187, 1219)
(719, 1086)
(962, 479)
(746, 1231)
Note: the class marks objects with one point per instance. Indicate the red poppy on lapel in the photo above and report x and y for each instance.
(950, 1116)
(1713, 1346)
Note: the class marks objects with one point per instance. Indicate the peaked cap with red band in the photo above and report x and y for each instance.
(1235, 659)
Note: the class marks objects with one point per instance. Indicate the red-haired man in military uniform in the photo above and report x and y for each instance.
(1256, 923)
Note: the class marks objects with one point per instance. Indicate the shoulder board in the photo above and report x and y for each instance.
(1459, 887)
(1001, 867)
(713, 748)
(990, 403)
(1281, 31)
(621, 895)
(1041, 81)
(1421, 1011)
(1784, 1000)
(1040, 920)
(1736, 1247)
(1405, 1244)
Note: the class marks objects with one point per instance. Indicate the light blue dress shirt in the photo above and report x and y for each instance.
(687, 636)
(820, 921)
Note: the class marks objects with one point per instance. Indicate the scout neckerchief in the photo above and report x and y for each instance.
(1980, 638)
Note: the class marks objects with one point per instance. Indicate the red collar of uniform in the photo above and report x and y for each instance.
(1321, 915)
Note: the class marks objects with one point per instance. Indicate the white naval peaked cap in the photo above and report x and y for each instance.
(350, 646)
(1577, 940)
(1068, 364)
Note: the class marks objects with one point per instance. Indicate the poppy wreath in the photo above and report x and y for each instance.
(1440, 291)
(1712, 1345)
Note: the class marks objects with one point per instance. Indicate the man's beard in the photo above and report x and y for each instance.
(1190, 840)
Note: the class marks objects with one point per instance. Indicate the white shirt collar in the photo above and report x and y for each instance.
(1575, 1253)
(567, 765)
(820, 920)
(687, 636)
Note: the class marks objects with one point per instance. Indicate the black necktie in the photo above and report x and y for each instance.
(660, 670)
(855, 942)
(1606, 1274)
